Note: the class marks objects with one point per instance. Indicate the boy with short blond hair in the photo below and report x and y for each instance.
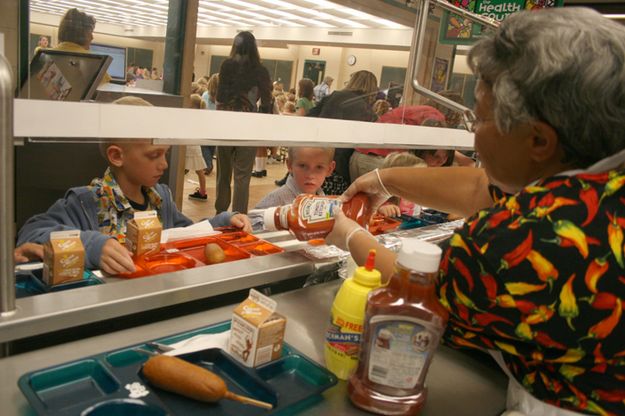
(308, 168)
(102, 209)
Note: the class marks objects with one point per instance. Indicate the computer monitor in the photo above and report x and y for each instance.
(117, 69)
(64, 76)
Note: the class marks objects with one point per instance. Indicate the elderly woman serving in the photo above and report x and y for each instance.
(536, 275)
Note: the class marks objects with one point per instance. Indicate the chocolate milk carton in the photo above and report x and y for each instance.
(257, 330)
(143, 233)
(63, 257)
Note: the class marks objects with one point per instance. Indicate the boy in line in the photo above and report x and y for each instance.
(308, 168)
(102, 209)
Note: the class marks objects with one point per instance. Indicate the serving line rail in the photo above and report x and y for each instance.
(107, 121)
(459, 384)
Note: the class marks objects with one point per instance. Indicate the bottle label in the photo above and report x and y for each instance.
(318, 209)
(400, 351)
(343, 344)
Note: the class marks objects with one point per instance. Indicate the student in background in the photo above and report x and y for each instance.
(305, 97)
(210, 98)
(194, 161)
(102, 210)
(395, 206)
(243, 82)
(309, 167)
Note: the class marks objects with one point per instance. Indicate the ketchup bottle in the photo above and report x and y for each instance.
(404, 322)
(312, 216)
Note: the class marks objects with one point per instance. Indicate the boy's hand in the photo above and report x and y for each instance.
(389, 210)
(241, 221)
(28, 252)
(115, 258)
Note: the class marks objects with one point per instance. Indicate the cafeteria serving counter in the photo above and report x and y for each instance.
(459, 384)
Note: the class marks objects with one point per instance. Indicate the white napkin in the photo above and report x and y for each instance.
(199, 229)
(200, 342)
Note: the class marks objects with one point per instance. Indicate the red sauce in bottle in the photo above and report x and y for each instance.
(404, 322)
(312, 216)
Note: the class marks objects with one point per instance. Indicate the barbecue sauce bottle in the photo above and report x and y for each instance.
(312, 216)
(404, 322)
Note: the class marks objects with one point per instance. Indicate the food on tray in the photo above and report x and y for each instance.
(179, 376)
(214, 253)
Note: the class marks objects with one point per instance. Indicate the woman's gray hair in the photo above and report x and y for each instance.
(562, 66)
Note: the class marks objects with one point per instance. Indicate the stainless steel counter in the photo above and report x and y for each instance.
(458, 384)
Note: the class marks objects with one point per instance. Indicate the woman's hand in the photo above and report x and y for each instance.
(115, 258)
(28, 252)
(241, 221)
(389, 210)
(371, 185)
(342, 231)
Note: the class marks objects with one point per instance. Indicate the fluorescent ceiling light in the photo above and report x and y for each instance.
(615, 16)
(270, 13)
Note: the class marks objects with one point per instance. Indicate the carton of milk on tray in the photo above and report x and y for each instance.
(63, 257)
(143, 233)
(257, 330)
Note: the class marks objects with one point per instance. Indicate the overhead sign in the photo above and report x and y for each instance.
(458, 30)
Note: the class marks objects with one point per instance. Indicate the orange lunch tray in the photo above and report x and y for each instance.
(380, 224)
(163, 262)
(261, 248)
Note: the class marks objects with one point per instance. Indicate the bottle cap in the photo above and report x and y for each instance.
(419, 255)
(269, 223)
(366, 275)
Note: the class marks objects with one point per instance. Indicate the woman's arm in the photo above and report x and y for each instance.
(457, 190)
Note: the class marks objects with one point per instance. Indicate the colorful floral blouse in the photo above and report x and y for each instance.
(114, 210)
(540, 276)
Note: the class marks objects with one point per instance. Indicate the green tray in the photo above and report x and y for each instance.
(102, 384)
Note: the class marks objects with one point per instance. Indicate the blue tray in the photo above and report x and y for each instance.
(101, 384)
(30, 283)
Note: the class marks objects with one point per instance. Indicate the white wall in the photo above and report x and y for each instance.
(335, 57)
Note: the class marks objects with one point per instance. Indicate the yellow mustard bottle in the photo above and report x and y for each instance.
(342, 338)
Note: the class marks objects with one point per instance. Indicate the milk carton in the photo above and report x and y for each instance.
(143, 233)
(257, 330)
(63, 257)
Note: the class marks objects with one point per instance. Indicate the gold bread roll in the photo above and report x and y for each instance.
(214, 253)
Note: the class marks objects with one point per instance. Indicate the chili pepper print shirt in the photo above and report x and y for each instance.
(540, 276)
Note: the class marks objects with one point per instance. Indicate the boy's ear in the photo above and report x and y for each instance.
(115, 155)
(289, 164)
(331, 168)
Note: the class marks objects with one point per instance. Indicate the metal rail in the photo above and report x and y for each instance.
(417, 46)
(7, 210)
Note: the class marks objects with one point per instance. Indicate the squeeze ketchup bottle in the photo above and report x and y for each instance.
(404, 322)
(312, 216)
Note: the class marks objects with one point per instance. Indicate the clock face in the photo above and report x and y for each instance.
(351, 60)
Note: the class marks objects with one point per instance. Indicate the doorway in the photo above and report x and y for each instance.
(314, 70)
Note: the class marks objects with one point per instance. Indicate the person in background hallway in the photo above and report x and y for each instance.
(76, 34)
(323, 89)
(210, 98)
(305, 97)
(194, 160)
(354, 102)
(243, 82)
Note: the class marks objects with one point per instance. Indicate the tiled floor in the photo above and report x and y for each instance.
(259, 187)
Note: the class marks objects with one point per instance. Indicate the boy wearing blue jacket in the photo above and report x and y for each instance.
(102, 209)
